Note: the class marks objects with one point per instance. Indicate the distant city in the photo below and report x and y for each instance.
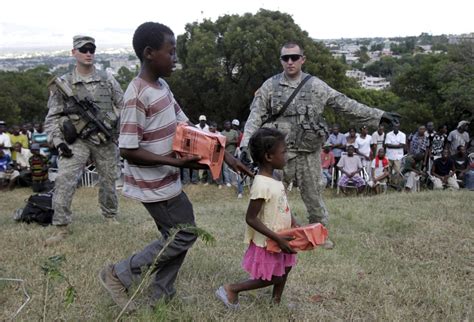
(356, 53)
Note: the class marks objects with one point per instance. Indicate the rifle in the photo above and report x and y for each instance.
(87, 109)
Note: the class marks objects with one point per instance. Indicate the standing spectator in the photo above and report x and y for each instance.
(350, 166)
(5, 143)
(89, 142)
(327, 163)
(394, 144)
(337, 142)
(378, 139)
(412, 171)
(442, 173)
(27, 129)
(379, 170)
(17, 136)
(39, 169)
(461, 163)
(202, 125)
(232, 137)
(458, 137)
(363, 147)
(430, 132)
(236, 126)
(438, 144)
(41, 137)
(418, 143)
(7, 173)
(351, 137)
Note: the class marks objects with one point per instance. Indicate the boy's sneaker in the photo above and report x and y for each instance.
(116, 289)
(228, 185)
(239, 196)
(61, 234)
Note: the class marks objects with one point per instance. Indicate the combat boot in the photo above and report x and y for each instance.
(62, 233)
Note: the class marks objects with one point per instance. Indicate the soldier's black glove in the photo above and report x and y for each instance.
(64, 150)
(392, 118)
(244, 157)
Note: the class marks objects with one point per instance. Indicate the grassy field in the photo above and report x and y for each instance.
(397, 257)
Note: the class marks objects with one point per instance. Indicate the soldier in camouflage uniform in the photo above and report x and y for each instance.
(102, 89)
(302, 123)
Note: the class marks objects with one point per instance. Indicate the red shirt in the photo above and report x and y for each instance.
(327, 159)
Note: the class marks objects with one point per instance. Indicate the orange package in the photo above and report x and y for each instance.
(210, 147)
(306, 237)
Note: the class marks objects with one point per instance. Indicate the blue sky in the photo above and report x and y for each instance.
(53, 23)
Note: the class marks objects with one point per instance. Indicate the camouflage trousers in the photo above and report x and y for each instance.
(304, 169)
(70, 171)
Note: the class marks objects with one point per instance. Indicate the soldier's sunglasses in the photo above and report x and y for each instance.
(293, 58)
(84, 50)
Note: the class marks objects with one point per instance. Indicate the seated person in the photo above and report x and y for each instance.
(327, 163)
(469, 177)
(411, 170)
(22, 165)
(443, 172)
(7, 173)
(379, 170)
(350, 166)
(461, 163)
(39, 169)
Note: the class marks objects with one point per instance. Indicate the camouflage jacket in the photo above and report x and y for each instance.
(302, 121)
(102, 87)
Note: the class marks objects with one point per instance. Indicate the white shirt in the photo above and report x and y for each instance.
(363, 145)
(23, 158)
(205, 129)
(378, 139)
(5, 141)
(395, 139)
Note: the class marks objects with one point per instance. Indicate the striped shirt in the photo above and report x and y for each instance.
(148, 120)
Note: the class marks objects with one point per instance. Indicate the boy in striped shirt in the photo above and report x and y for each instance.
(148, 124)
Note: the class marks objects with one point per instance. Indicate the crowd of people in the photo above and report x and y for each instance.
(25, 156)
(434, 159)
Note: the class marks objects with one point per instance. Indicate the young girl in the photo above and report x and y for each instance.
(267, 213)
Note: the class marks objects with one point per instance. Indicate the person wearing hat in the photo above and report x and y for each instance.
(77, 139)
(458, 137)
(202, 123)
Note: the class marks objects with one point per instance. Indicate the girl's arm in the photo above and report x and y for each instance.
(253, 221)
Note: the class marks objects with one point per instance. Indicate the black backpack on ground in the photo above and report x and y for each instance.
(38, 209)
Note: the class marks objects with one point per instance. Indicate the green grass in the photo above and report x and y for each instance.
(397, 257)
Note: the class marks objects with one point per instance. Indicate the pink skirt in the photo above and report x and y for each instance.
(261, 264)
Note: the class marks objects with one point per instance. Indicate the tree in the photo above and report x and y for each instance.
(24, 95)
(125, 76)
(226, 61)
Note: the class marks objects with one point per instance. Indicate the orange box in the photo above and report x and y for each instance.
(306, 237)
(210, 147)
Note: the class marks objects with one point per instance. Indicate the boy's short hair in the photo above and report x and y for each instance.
(149, 34)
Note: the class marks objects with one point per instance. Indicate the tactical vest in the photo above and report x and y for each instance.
(102, 96)
(301, 122)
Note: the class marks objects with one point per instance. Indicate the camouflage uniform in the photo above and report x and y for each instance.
(303, 124)
(105, 91)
